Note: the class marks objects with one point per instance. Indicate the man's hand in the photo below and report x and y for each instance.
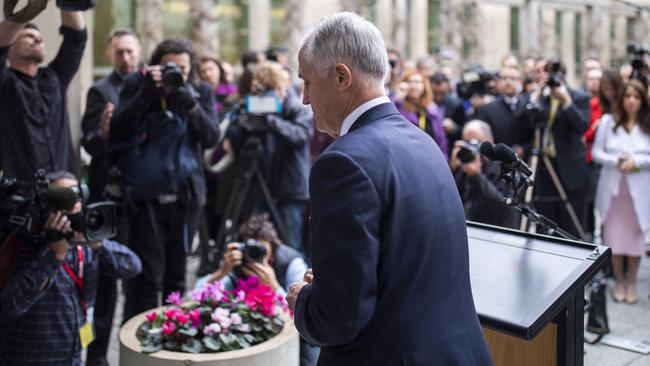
(105, 120)
(449, 125)
(454, 163)
(58, 222)
(309, 276)
(292, 296)
(472, 168)
(152, 81)
(264, 272)
(184, 98)
(233, 257)
(29, 12)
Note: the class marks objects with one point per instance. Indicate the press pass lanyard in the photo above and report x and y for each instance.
(79, 278)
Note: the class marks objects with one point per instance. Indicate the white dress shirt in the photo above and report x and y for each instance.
(607, 148)
(352, 117)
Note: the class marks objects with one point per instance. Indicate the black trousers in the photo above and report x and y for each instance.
(160, 236)
(106, 297)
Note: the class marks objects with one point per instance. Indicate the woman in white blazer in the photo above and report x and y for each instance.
(622, 147)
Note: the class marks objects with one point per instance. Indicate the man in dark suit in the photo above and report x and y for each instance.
(390, 281)
(123, 51)
(451, 108)
(506, 115)
(565, 113)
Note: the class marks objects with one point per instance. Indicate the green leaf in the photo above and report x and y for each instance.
(151, 347)
(211, 343)
(191, 332)
(257, 328)
(192, 346)
(249, 338)
(256, 315)
(242, 343)
(170, 345)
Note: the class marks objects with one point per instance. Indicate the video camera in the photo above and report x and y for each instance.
(25, 205)
(251, 121)
(637, 61)
(474, 81)
(468, 150)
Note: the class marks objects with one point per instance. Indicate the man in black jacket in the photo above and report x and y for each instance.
(506, 115)
(33, 114)
(451, 108)
(123, 51)
(565, 117)
(162, 226)
(478, 181)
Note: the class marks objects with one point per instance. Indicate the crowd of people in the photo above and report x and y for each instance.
(591, 145)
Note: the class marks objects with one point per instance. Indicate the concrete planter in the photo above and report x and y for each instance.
(283, 349)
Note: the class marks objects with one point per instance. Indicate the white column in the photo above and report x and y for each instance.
(384, 20)
(531, 26)
(418, 28)
(259, 24)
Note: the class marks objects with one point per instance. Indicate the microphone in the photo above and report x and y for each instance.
(60, 198)
(487, 150)
(508, 156)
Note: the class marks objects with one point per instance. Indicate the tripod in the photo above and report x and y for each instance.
(251, 152)
(533, 163)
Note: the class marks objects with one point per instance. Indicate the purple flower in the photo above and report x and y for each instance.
(175, 298)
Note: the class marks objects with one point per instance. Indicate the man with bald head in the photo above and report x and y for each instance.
(390, 279)
(478, 180)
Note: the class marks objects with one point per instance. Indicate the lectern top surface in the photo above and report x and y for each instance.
(520, 281)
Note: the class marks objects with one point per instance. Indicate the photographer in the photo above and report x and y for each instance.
(157, 135)
(33, 114)
(285, 157)
(478, 179)
(48, 300)
(563, 120)
(275, 264)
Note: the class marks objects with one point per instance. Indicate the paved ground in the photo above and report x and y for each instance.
(628, 321)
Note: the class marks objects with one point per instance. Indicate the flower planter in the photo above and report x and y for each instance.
(282, 350)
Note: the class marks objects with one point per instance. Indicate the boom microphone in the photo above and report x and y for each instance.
(508, 156)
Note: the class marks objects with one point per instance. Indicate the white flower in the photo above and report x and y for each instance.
(236, 318)
(213, 328)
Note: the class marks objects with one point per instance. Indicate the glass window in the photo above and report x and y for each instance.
(558, 33)
(434, 38)
(514, 29)
(578, 43)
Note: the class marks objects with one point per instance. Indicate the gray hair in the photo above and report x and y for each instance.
(348, 39)
(485, 128)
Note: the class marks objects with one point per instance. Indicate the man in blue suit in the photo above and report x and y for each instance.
(390, 282)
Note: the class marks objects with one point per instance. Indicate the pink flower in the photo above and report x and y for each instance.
(152, 316)
(195, 315)
(182, 318)
(213, 328)
(236, 318)
(198, 295)
(168, 327)
(244, 328)
(170, 314)
(225, 323)
(175, 298)
(220, 313)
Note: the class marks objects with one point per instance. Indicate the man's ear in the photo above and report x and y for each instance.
(343, 76)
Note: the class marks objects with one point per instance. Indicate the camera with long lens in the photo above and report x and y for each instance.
(474, 81)
(25, 206)
(252, 250)
(555, 78)
(172, 77)
(534, 115)
(75, 5)
(468, 150)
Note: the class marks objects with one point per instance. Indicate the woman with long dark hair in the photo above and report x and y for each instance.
(622, 147)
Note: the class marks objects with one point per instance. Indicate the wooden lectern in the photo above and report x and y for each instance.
(529, 294)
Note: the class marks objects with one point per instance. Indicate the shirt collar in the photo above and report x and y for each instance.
(352, 117)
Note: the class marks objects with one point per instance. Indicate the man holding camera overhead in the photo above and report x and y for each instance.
(33, 115)
(163, 121)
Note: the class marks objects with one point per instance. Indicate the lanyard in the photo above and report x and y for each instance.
(78, 278)
(422, 121)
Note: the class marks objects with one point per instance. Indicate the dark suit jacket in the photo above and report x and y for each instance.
(508, 126)
(389, 252)
(568, 128)
(103, 91)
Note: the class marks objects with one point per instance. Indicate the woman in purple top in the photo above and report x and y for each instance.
(225, 93)
(414, 100)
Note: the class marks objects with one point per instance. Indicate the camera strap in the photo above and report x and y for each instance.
(78, 278)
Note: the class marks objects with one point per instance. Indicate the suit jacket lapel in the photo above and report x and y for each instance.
(373, 114)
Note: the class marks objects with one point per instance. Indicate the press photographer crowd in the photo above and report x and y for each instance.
(188, 159)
